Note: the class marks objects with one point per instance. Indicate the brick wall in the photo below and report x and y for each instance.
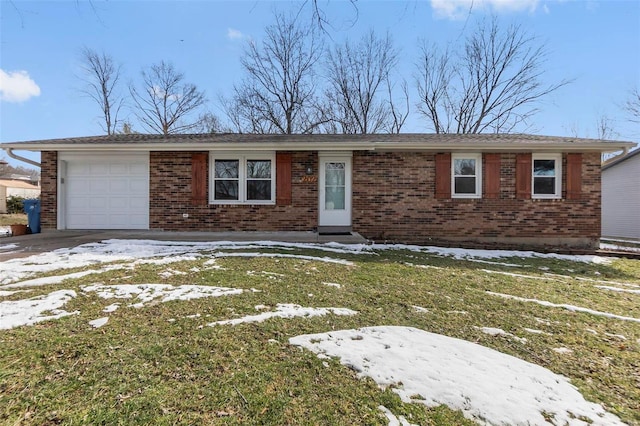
(170, 197)
(49, 190)
(393, 200)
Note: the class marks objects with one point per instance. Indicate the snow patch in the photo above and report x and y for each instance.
(97, 323)
(463, 375)
(565, 306)
(145, 293)
(500, 332)
(30, 311)
(286, 310)
(393, 420)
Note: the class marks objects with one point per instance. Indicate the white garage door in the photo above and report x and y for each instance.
(107, 192)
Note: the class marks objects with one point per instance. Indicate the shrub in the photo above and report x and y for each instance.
(15, 204)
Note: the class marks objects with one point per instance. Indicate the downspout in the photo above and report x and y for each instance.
(10, 153)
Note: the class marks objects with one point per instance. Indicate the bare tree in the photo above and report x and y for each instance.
(208, 122)
(632, 105)
(278, 93)
(398, 116)
(319, 16)
(101, 75)
(164, 103)
(357, 75)
(493, 84)
(605, 128)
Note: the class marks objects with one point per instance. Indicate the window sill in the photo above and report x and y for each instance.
(242, 203)
(466, 197)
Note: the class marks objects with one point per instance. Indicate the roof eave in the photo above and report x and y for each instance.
(330, 146)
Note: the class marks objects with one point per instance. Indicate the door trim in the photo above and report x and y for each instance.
(334, 221)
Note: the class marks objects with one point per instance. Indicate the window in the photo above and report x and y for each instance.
(466, 172)
(246, 178)
(547, 176)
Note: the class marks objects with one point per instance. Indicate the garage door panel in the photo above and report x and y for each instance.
(95, 203)
(118, 204)
(118, 169)
(138, 185)
(109, 192)
(120, 221)
(138, 168)
(118, 186)
(139, 221)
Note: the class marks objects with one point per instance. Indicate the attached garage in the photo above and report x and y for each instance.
(103, 191)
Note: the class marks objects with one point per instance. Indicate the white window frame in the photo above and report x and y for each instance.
(558, 175)
(242, 158)
(470, 156)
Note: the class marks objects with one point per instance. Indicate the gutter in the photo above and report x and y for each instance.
(11, 154)
(330, 146)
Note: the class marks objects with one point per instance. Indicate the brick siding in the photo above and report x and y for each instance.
(393, 200)
(170, 197)
(49, 190)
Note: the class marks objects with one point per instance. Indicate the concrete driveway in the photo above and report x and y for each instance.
(27, 245)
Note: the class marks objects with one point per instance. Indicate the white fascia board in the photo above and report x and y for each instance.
(337, 146)
(507, 147)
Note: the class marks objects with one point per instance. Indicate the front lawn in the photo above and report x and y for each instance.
(13, 219)
(178, 333)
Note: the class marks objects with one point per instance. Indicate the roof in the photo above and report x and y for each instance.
(619, 159)
(322, 142)
(9, 183)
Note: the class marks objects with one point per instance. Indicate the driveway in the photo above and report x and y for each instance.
(26, 245)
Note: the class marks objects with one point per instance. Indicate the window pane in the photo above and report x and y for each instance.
(544, 167)
(464, 167)
(227, 169)
(544, 185)
(334, 174)
(259, 169)
(465, 185)
(226, 189)
(258, 190)
(334, 198)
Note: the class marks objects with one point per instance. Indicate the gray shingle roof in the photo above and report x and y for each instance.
(420, 141)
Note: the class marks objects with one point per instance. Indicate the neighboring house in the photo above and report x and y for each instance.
(482, 190)
(16, 188)
(621, 196)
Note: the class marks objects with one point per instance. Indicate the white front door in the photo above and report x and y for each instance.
(335, 191)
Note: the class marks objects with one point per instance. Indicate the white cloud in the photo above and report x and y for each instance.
(459, 9)
(17, 86)
(233, 34)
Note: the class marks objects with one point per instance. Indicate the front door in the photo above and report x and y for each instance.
(335, 193)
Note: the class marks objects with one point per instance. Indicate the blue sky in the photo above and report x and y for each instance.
(595, 43)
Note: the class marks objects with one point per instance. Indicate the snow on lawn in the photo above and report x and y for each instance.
(491, 331)
(30, 311)
(564, 306)
(147, 251)
(97, 323)
(57, 279)
(285, 255)
(144, 293)
(393, 420)
(617, 289)
(487, 385)
(460, 253)
(152, 251)
(286, 310)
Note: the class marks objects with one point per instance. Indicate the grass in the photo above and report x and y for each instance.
(162, 364)
(13, 219)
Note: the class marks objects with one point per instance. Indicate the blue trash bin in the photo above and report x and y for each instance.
(32, 209)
